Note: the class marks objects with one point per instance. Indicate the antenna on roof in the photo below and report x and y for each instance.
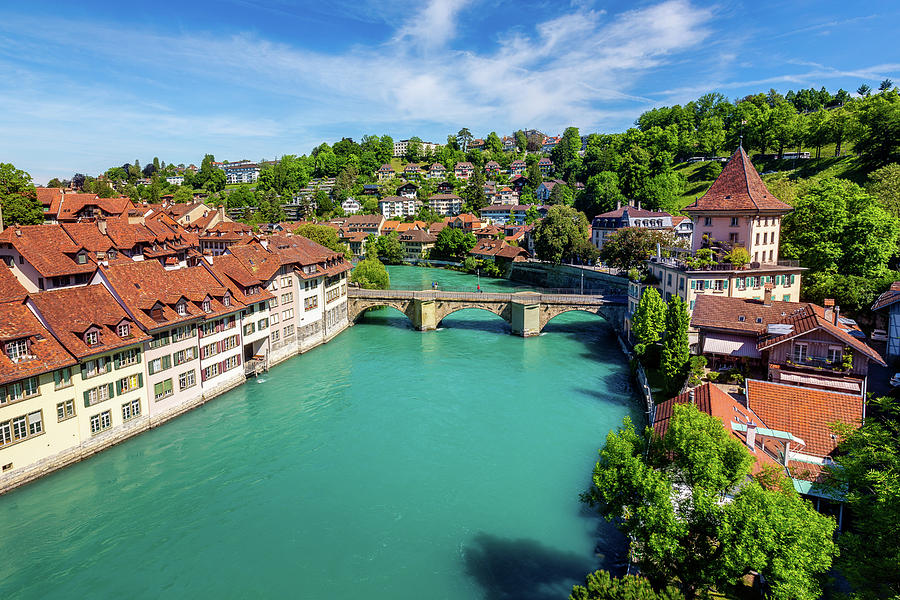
(741, 137)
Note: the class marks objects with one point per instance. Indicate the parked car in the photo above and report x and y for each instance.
(879, 335)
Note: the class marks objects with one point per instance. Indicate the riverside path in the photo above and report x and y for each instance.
(526, 312)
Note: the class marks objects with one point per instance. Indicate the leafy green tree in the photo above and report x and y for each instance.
(885, 85)
(629, 247)
(494, 144)
(676, 352)
(452, 244)
(867, 473)
(561, 234)
(878, 139)
(18, 197)
(601, 194)
(738, 256)
(324, 205)
(534, 176)
(565, 154)
(649, 320)
(183, 195)
(325, 236)
(463, 138)
(532, 215)
(521, 141)
(56, 183)
(370, 274)
(241, 196)
(668, 495)
(474, 193)
(561, 194)
(388, 248)
(600, 585)
(413, 150)
(884, 185)
(837, 227)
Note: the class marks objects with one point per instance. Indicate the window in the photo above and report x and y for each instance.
(757, 238)
(98, 394)
(211, 371)
(19, 390)
(62, 378)
(65, 410)
(95, 367)
(187, 379)
(273, 318)
(835, 354)
(311, 303)
(286, 281)
(82, 258)
(288, 314)
(101, 422)
(718, 285)
(770, 255)
(17, 349)
(160, 339)
(129, 357)
(741, 318)
(273, 302)
(130, 383)
(289, 330)
(733, 238)
(159, 364)
(262, 324)
(92, 338)
(734, 221)
(707, 221)
(249, 329)
(183, 356)
(207, 307)
(163, 389)
(182, 333)
(289, 297)
(801, 351)
(276, 335)
(123, 330)
(230, 363)
(181, 308)
(131, 410)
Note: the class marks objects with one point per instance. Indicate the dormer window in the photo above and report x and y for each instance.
(207, 306)
(16, 350)
(111, 254)
(181, 308)
(226, 300)
(81, 258)
(123, 330)
(92, 338)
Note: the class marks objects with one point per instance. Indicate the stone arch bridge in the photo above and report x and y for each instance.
(526, 312)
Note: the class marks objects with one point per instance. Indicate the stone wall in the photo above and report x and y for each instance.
(565, 276)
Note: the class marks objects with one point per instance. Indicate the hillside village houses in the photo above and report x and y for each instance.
(120, 321)
(608, 223)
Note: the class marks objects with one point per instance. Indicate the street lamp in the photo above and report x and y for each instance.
(478, 279)
(582, 281)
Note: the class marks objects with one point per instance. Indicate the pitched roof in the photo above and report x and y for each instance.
(739, 314)
(11, 289)
(888, 298)
(88, 236)
(47, 248)
(72, 204)
(46, 354)
(633, 211)
(70, 312)
(805, 412)
(738, 188)
(231, 273)
(256, 259)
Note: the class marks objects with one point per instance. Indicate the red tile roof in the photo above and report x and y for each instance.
(47, 248)
(722, 312)
(70, 312)
(18, 322)
(633, 211)
(805, 412)
(88, 236)
(888, 298)
(738, 188)
(11, 289)
(72, 204)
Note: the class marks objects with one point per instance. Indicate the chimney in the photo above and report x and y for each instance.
(101, 225)
(751, 436)
(638, 205)
(221, 211)
(767, 295)
(618, 204)
(829, 309)
(837, 315)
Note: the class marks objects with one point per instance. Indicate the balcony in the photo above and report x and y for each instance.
(812, 364)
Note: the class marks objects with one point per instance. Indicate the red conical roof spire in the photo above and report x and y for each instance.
(738, 188)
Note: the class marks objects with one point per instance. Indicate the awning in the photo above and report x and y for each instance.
(835, 384)
(730, 345)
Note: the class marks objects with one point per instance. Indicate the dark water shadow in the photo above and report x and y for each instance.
(497, 325)
(523, 569)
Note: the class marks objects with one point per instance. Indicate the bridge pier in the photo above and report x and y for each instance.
(525, 318)
(424, 316)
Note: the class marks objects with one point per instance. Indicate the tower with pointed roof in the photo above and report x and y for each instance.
(739, 209)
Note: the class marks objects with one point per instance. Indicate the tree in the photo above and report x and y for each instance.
(676, 352)
(738, 256)
(629, 247)
(601, 586)
(561, 234)
(474, 192)
(878, 136)
(601, 194)
(493, 144)
(370, 274)
(521, 141)
(867, 474)
(561, 194)
(668, 495)
(183, 194)
(864, 90)
(18, 197)
(325, 236)
(565, 154)
(413, 150)
(885, 85)
(55, 183)
(837, 227)
(463, 138)
(241, 196)
(388, 248)
(649, 320)
(534, 176)
(452, 244)
(532, 215)
(884, 185)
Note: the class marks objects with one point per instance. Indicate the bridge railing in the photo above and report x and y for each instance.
(470, 296)
(538, 290)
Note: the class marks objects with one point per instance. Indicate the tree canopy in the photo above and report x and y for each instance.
(18, 197)
(629, 247)
(666, 494)
(452, 244)
(324, 235)
(649, 320)
(370, 274)
(563, 235)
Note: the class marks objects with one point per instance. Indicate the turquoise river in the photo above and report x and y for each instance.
(386, 464)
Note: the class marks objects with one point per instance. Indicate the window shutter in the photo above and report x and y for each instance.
(166, 361)
(693, 284)
(725, 286)
(118, 360)
(56, 378)
(140, 380)
(119, 387)
(87, 399)
(168, 385)
(238, 359)
(202, 374)
(138, 354)
(110, 388)
(792, 280)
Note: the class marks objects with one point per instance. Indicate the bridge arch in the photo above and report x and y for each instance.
(501, 311)
(608, 313)
(357, 309)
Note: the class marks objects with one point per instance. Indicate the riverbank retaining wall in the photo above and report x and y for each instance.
(565, 276)
(13, 479)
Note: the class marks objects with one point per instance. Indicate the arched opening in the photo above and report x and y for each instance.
(578, 321)
(474, 317)
(384, 314)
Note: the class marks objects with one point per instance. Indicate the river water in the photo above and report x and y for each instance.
(387, 464)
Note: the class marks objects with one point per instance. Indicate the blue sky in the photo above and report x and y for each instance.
(87, 85)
